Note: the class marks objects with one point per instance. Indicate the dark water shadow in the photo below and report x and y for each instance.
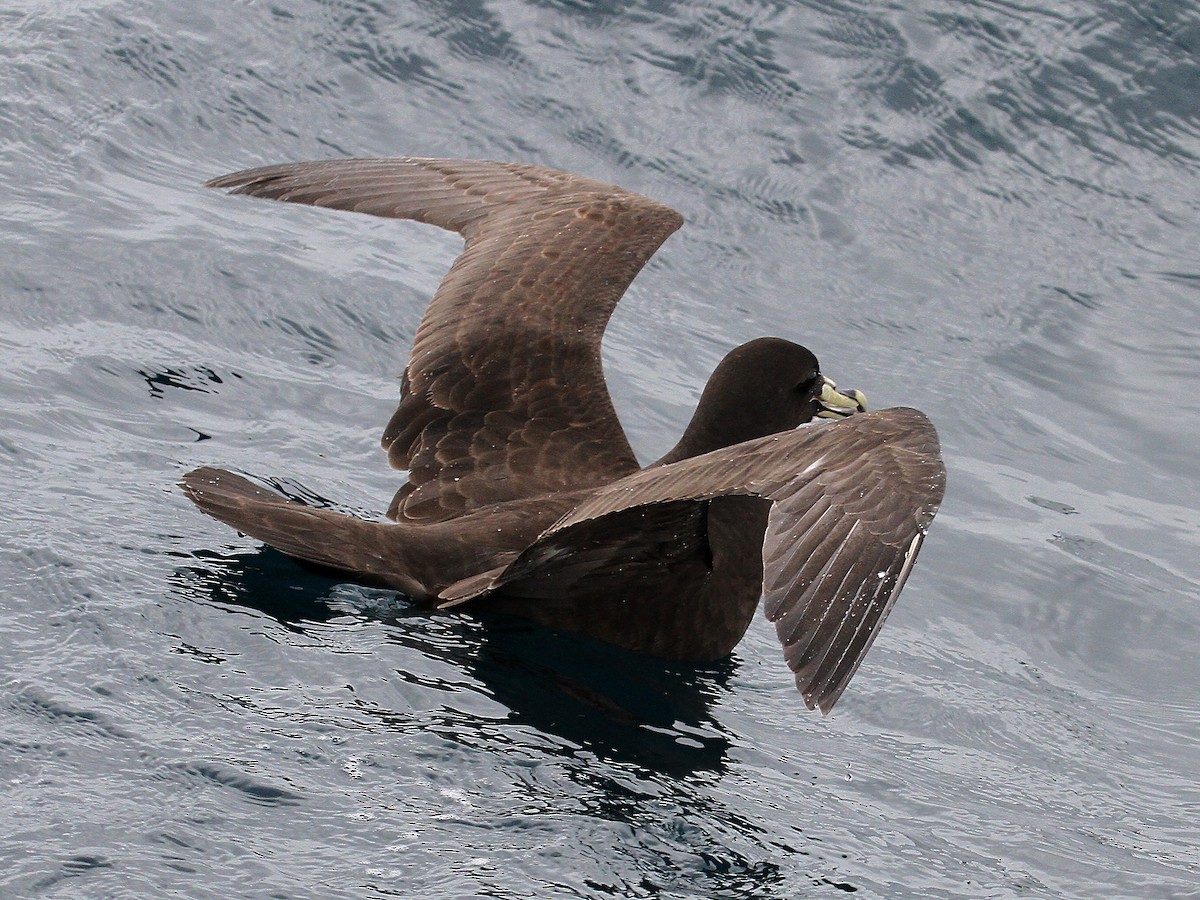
(603, 700)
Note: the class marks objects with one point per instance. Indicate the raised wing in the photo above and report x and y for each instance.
(852, 501)
(504, 393)
(841, 541)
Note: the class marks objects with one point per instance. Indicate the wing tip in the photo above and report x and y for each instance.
(225, 495)
(821, 700)
(232, 179)
(470, 588)
(195, 482)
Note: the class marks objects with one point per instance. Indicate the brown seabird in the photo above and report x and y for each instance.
(523, 494)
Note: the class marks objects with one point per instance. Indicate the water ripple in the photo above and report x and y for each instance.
(982, 208)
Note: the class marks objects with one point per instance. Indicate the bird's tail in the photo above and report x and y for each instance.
(370, 552)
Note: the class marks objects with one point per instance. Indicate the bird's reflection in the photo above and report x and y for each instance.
(610, 702)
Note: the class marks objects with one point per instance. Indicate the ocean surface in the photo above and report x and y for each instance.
(989, 210)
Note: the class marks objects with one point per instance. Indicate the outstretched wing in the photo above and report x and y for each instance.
(852, 501)
(504, 394)
(842, 540)
(367, 551)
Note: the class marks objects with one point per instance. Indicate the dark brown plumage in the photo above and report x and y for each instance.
(523, 493)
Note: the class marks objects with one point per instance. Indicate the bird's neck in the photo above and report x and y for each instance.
(701, 436)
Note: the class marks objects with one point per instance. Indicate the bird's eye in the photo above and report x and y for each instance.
(809, 385)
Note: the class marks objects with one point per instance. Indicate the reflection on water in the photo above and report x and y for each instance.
(983, 209)
(609, 702)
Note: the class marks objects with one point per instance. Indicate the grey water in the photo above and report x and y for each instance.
(985, 209)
